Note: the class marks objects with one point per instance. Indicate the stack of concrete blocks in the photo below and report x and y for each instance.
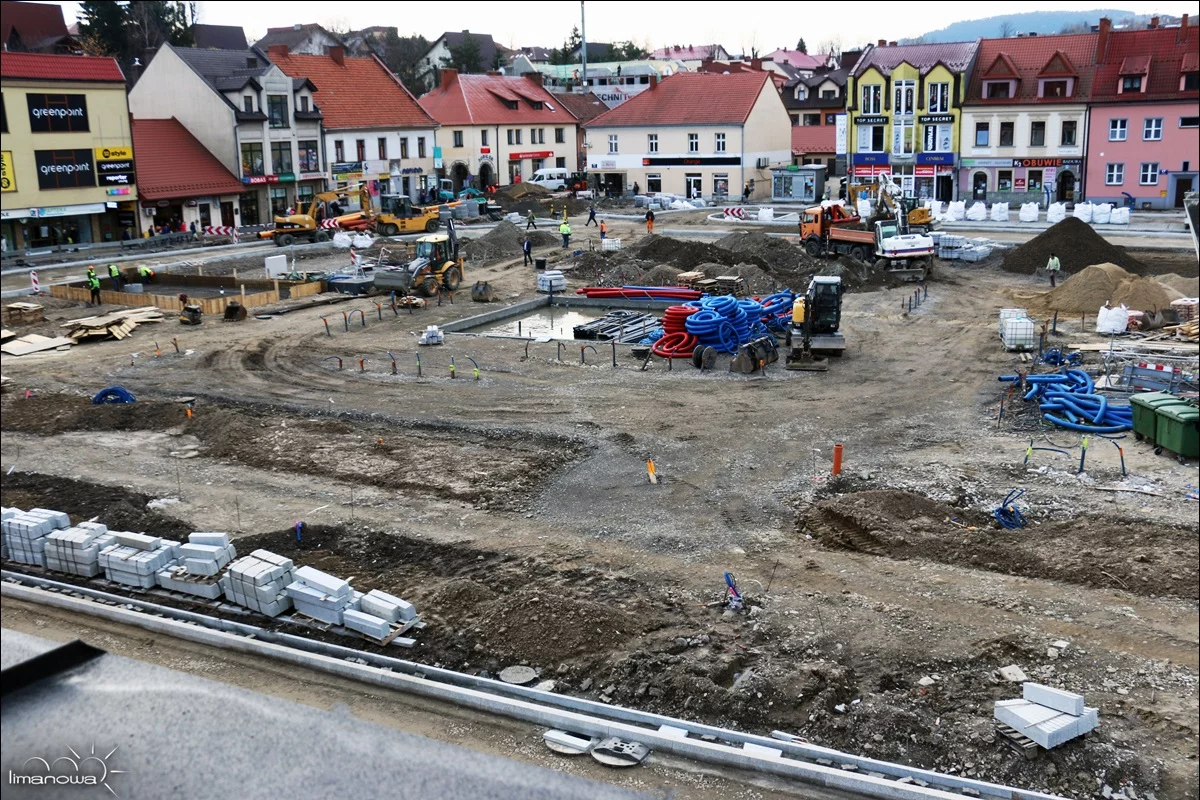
(321, 595)
(76, 551)
(135, 559)
(257, 582)
(25, 533)
(200, 561)
(377, 612)
(1047, 716)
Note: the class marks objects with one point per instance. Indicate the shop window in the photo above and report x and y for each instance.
(205, 215)
(249, 205)
(278, 201)
(1149, 174)
(981, 134)
(252, 158)
(1006, 134)
(652, 143)
(1037, 134)
(1114, 174)
(281, 157)
(871, 138)
(1152, 129)
(653, 183)
(1004, 180)
(538, 163)
(1034, 180)
(721, 183)
(1118, 130)
(1069, 129)
(277, 110)
(304, 197)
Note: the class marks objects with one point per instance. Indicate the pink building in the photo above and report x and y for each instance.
(1144, 119)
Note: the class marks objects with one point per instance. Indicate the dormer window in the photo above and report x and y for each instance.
(998, 90)
(251, 63)
(248, 104)
(511, 105)
(537, 105)
(304, 102)
(1056, 88)
(1131, 83)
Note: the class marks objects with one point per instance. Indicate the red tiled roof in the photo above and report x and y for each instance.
(1002, 67)
(699, 98)
(585, 107)
(359, 93)
(35, 23)
(1190, 63)
(172, 164)
(1165, 55)
(797, 59)
(1029, 56)
(956, 56)
(1059, 66)
(476, 100)
(813, 139)
(1135, 65)
(44, 67)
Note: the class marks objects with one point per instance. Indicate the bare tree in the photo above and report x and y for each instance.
(1006, 29)
(831, 45)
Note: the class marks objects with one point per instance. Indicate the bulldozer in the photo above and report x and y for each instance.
(309, 225)
(437, 267)
(397, 214)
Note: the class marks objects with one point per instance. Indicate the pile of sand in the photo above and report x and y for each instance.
(505, 241)
(1188, 287)
(1076, 244)
(1108, 283)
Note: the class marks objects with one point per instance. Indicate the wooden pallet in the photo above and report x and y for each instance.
(117, 325)
(1017, 741)
(24, 313)
(397, 630)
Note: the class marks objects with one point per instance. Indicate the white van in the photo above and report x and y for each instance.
(552, 178)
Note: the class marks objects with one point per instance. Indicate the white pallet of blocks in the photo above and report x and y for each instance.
(134, 559)
(25, 533)
(1046, 715)
(378, 611)
(321, 596)
(257, 582)
(76, 551)
(200, 561)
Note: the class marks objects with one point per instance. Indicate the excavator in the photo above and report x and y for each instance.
(910, 217)
(817, 320)
(309, 225)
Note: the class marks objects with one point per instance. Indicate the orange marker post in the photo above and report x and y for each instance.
(837, 460)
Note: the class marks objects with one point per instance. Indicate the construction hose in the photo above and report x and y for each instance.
(675, 345)
(113, 395)
(1068, 399)
(1008, 515)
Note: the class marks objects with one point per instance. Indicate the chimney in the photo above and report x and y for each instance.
(891, 44)
(1102, 39)
(1182, 35)
(494, 73)
(881, 43)
(449, 77)
(756, 64)
(653, 80)
(280, 50)
(536, 77)
(338, 54)
(1153, 22)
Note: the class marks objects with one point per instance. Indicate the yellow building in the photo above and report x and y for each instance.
(68, 171)
(904, 105)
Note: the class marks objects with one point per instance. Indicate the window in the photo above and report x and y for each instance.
(538, 163)
(560, 163)
(871, 138)
(511, 137)
(904, 95)
(382, 143)
(1191, 82)
(1114, 174)
(278, 201)
(252, 158)
(1035, 180)
(1149, 174)
(693, 143)
(1152, 129)
(421, 147)
(653, 183)
(720, 142)
(339, 150)
(360, 148)
(458, 138)
(998, 90)
(304, 196)
(1037, 134)
(903, 133)
(939, 98)
(1069, 127)
(1131, 83)
(1006, 134)
(1118, 130)
(517, 134)
(403, 147)
(248, 104)
(938, 138)
(811, 119)
(541, 136)
(612, 143)
(981, 134)
(483, 137)
(1189, 122)
(277, 110)
(533, 135)
(248, 203)
(1054, 89)
(829, 94)
(560, 135)
(304, 102)
(1004, 180)
(831, 119)
(281, 157)
(652, 143)
(872, 98)
(310, 156)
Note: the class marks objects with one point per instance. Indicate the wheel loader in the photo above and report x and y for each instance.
(397, 214)
(437, 267)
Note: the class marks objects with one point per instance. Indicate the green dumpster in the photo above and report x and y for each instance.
(1145, 420)
(1179, 429)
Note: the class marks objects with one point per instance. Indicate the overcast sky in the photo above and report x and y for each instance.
(737, 26)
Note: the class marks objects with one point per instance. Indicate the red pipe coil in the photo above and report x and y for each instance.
(675, 345)
(674, 316)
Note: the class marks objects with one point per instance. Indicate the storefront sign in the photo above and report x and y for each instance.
(346, 167)
(870, 158)
(935, 158)
(935, 119)
(64, 169)
(258, 180)
(115, 173)
(1045, 162)
(485, 149)
(532, 154)
(987, 162)
(63, 211)
(114, 154)
(57, 113)
(693, 161)
(873, 120)
(923, 172)
(118, 191)
(312, 176)
(437, 157)
(286, 177)
(608, 164)
(870, 171)
(839, 135)
(483, 159)
(8, 178)
(1018, 184)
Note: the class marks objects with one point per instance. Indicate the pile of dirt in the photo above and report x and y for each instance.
(1077, 246)
(1188, 287)
(1109, 283)
(781, 258)
(686, 255)
(118, 508)
(504, 241)
(662, 275)
(518, 191)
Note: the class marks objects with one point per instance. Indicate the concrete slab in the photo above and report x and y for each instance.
(366, 623)
(760, 750)
(139, 541)
(322, 581)
(211, 539)
(1067, 702)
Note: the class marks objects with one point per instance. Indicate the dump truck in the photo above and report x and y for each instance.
(825, 231)
(437, 267)
(397, 214)
(310, 225)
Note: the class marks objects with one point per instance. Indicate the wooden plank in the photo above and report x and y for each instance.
(18, 347)
(1155, 347)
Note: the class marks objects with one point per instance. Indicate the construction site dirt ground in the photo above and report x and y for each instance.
(515, 512)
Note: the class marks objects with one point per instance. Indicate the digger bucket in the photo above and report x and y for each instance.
(482, 292)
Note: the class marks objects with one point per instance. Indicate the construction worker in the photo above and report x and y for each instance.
(527, 250)
(114, 274)
(91, 273)
(1053, 267)
(531, 221)
(746, 192)
(565, 231)
(603, 230)
(146, 274)
(591, 220)
(93, 284)
(649, 220)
